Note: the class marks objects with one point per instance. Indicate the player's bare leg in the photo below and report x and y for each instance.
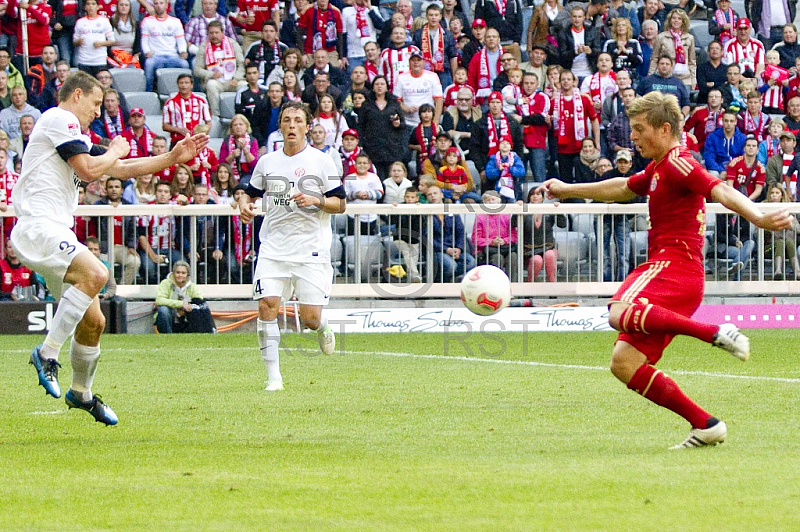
(632, 367)
(269, 339)
(311, 317)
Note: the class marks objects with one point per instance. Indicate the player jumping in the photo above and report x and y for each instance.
(656, 301)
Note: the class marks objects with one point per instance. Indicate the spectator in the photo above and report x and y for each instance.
(509, 64)
(539, 243)
(771, 144)
(197, 27)
(265, 114)
(138, 135)
(219, 66)
(619, 130)
(722, 22)
(223, 184)
(485, 66)
(722, 145)
(39, 16)
(124, 236)
(663, 80)
(157, 237)
(381, 116)
(13, 275)
(579, 44)
(363, 188)
(251, 15)
(534, 114)
(487, 132)
(288, 29)
(127, 47)
(163, 43)
(712, 73)
(179, 305)
(422, 141)
(476, 44)
(574, 119)
(10, 116)
(372, 60)
(585, 165)
(599, 87)
(109, 291)
(212, 263)
(160, 147)
(613, 105)
(792, 118)
(320, 28)
(734, 242)
(361, 22)
(618, 9)
(495, 238)
(266, 54)
(39, 75)
(454, 179)
(458, 120)
(65, 15)
(782, 245)
(15, 78)
(19, 144)
(539, 32)
(328, 117)
(704, 120)
(505, 172)
(778, 165)
(435, 160)
(240, 149)
(506, 18)
(536, 64)
(321, 87)
(292, 60)
(752, 120)
(251, 96)
(450, 13)
(616, 227)
(625, 51)
(407, 230)
(788, 49)
(396, 185)
(142, 191)
(185, 110)
(653, 10)
(291, 87)
(318, 141)
(731, 95)
(437, 46)
(415, 87)
(49, 97)
(349, 151)
(678, 43)
(746, 52)
(8, 178)
(182, 188)
(745, 173)
(450, 253)
(92, 37)
(112, 120)
(5, 93)
(396, 57)
(646, 41)
(358, 85)
(107, 81)
(774, 81)
(772, 19)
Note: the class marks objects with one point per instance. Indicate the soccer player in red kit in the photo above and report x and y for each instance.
(656, 301)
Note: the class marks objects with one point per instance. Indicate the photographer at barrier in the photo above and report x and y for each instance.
(180, 307)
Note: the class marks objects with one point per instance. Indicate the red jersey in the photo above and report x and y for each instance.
(186, 112)
(568, 142)
(676, 187)
(38, 26)
(792, 90)
(703, 122)
(536, 103)
(7, 181)
(141, 146)
(451, 92)
(203, 174)
(738, 171)
(322, 29)
(107, 8)
(167, 174)
(260, 9)
(160, 229)
(19, 276)
(457, 176)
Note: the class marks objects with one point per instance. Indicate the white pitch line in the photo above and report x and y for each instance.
(48, 413)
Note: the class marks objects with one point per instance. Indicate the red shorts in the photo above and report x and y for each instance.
(676, 285)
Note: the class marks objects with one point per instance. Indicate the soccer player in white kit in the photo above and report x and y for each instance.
(301, 189)
(58, 157)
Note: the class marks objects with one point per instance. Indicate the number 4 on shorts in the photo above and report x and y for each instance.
(257, 288)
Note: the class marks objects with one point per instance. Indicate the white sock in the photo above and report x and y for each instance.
(269, 337)
(323, 322)
(71, 308)
(84, 364)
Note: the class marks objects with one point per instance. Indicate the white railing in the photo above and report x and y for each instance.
(579, 276)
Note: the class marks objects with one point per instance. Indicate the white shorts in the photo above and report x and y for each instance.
(309, 281)
(46, 248)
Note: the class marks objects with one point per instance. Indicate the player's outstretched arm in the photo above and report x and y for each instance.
(741, 204)
(610, 190)
(92, 167)
(184, 151)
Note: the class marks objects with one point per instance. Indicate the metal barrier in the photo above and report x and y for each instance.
(367, 256)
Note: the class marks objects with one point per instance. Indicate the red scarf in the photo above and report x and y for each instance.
(428, 146)
(713, 122)
(501, 6)
(239, 163)
(433, 61)
(349, 161)
(596, 85)
(276, 52)
(680, 54)
(325, 25)
(484, 81)
(493, 134)
(725, 17)
(505, 185)
(242, 240)
(525, 107)
(362, 26)
(372, 71)
(136, 145)
(226, 64)
(579, 116)
(750, 125)
(113, 127)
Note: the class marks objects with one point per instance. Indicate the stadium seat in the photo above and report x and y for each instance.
(370, 249)
(155, 124)
(573, 252)
(227, 108)
(337, 250)
(167, 81)
(217, 131)
(148, 101)
(214, 144)
(128, 80)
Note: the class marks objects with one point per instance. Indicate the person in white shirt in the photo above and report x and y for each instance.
(301, 190)
(92, 36)
(415, 87)
(163, 43)
(58, 158)
(361, 22)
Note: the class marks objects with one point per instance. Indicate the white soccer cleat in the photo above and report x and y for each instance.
(327, 340)
(274, 385)
(731, 340)
(703, 437)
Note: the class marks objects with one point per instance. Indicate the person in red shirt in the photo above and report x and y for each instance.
(12, 273)
(7, 181)
(533, 110)
(138, 135)
(38, 15)
(251, 16)
(320, 27)
(704, 120)
(184, 111)
(656, 301)
(574, 119)
(160, 147)
(745, 173)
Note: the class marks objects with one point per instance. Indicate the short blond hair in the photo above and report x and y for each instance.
(658, 109)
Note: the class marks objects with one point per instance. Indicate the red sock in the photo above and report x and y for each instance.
(651, 319)
(654, 385)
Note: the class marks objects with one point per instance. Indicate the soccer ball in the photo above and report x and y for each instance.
(486, 290)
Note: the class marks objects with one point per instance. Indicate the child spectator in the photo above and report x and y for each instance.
(454, 179)
(425, 182)
(494, 238)
(396, 185)
(205, 163)
(451, 92)
(363, 187)
(774, 78)
(512, 92)
(505, 171)
(422, 138)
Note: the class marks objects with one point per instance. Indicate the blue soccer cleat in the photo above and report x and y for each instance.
(48, 373)
(96, 407)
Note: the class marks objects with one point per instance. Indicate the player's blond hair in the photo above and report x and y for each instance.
(658, 109)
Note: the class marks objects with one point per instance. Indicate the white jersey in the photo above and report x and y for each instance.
(415, 90)
(291, 233)
(92, 30)
(47, 187)
(163, 36)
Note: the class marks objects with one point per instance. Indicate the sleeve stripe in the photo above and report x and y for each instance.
(71, 149)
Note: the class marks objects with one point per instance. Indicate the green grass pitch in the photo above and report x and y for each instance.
(400, 432)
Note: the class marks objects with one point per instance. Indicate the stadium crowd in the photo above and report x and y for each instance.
(466, 102)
